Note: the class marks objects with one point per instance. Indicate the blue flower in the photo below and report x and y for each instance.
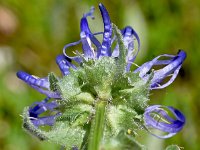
(171, 63)
(156, 116)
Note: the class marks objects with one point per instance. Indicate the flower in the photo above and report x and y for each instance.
(121, 48)
(164, 123)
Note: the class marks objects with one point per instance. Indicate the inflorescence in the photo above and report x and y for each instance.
(103, 73)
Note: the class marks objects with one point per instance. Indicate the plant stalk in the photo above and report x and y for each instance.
(97, 126)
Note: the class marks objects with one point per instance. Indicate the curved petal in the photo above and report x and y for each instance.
(128, 36)
(171, 68)
(33, 80)
(172, 126)
(49, 120)
(146, 67)
(106, 44)
(88, 50)
(173, 65)
(75, 58)
(39, 84)
(64, 64)
(89, 36)
(47, 92)
(86, 42)
(41, 107)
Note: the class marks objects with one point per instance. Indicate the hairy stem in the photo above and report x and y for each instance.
(97, 127)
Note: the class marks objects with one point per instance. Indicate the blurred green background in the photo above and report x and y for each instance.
(33, 32)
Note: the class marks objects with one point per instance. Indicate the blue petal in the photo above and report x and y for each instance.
(75, 58)
(86, 30)
(129, 35)
(40, 84)
(48, 93)
(106, 44)
(172, 127)
(64, 64)
(173, 65)
(41, 107)
(33, 80)
(86, 46)
(50, 120)
(85, 38)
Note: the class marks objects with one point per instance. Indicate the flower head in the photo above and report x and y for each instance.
(100, 82)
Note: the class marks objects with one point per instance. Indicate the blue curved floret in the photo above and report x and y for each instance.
(33, 80)
(170, 125)
(64, 64)
(40, 107)
(40, 84)
(128, 36)
(106, 44)
(173, 65)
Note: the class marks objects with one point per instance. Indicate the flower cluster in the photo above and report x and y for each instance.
(103, 74)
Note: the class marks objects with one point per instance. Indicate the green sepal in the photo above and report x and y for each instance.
(137, 96)
(122, 118)
(53, 81)
(61, 133)
(121, 61)
(77, 115)
(100, 76)
(64, 134)
(30, 128)
(69, 86)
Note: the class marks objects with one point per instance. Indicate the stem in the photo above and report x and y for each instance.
(97, 127)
